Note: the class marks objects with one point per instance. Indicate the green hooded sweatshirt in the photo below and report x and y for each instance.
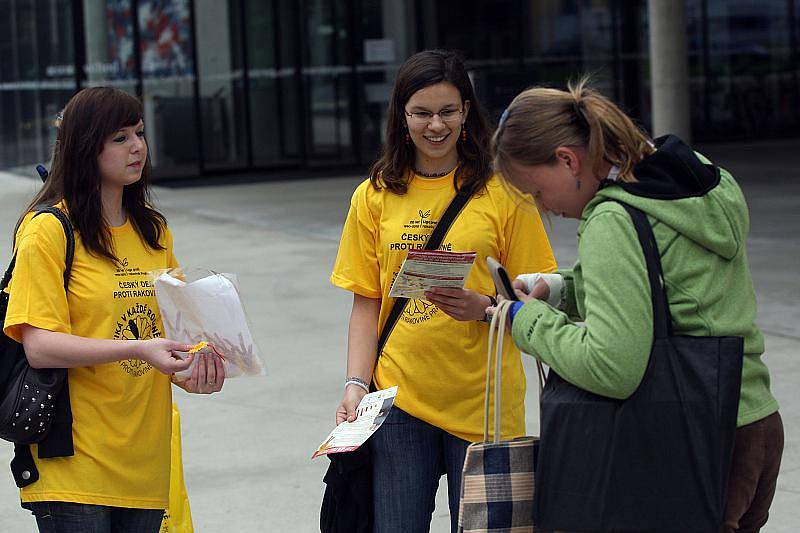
(700, 221)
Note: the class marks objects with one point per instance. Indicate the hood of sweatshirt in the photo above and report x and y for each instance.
(684, 190)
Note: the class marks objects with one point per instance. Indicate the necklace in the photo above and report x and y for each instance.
(433, 174)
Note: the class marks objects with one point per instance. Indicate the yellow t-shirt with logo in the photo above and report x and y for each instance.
(121, 411)
(439, 363)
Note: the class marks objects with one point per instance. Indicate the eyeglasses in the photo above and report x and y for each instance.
(423, 118)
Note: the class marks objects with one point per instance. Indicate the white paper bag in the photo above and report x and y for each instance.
(208, 309)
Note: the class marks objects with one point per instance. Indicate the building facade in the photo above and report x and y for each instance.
(238, 86)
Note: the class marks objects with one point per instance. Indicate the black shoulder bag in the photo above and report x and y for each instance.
(657, 461)
(30, 397)
(347, 504)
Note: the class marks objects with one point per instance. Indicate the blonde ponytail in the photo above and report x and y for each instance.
(541, 119)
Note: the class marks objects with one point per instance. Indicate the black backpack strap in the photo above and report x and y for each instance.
(23, 468)
(435, 240)
(70, 252)
(662, 319)
(68, 233)
(7, 275)
(22, 465)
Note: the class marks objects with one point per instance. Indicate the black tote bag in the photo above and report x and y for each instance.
(657, 461)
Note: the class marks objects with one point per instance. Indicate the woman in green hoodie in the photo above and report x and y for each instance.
(569, 150)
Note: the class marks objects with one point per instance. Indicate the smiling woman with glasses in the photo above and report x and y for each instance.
(437, 144)
(423, 117)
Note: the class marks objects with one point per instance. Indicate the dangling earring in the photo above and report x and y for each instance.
(463, 134)
(408, 138)
(577, 183)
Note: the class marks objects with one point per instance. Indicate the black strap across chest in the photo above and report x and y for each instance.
(662, 319)
(435, 240)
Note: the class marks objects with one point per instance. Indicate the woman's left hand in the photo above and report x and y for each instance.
(460, 304)
(207, 376)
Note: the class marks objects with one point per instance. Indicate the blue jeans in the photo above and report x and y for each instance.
(408, 458)
(67, 517)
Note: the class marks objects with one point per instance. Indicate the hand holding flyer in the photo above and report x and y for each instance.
(423, 270)
(370, 414)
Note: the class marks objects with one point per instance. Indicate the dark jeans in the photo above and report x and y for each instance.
(67, 517)
(754, 475)
(408, 458)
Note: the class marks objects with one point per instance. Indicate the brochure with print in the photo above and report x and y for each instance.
(424, 269)
(349, 436)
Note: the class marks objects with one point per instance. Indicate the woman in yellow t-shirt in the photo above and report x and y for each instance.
(437, 141)
(111, 470)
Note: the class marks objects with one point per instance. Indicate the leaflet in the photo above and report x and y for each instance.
(425, 269)
(349, 436)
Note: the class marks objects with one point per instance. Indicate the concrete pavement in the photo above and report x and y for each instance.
(247, 450)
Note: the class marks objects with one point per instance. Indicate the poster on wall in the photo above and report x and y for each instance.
(121, 60)
(164, 27)
(164, 38)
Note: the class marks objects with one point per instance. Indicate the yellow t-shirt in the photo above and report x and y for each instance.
(439, 363)
(121, 411)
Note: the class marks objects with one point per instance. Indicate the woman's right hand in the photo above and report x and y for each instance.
(347, 409)
(158, 352)
(522, 287)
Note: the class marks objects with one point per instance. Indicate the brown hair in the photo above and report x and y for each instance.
(422, 70)
(541, 119)
(88, 119)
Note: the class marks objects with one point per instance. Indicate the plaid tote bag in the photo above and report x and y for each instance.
(498, 477)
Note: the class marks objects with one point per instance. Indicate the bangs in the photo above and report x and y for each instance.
(92, 116)
(122, 111)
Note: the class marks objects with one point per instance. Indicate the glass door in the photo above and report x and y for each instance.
(329, 77)
(273, 82)
(385, 36)
(37, 77)
(221, 84)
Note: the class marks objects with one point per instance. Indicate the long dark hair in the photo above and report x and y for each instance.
(397, 158)
(89, 118)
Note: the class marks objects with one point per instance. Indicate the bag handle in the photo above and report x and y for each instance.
(70, 252)
(442, 227)
(662, 319)
(497, 330)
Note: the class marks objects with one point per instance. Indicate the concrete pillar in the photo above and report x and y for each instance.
(669, 72)
(97, 54)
